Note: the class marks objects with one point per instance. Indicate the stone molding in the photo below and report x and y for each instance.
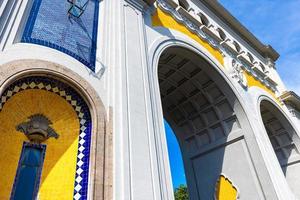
(138, 4)
(290, 97)
(209, 33)
(238, 74)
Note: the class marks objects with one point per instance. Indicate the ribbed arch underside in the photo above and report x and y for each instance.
(282, 136)
(210, 125)
(193, 104)
(285, 142)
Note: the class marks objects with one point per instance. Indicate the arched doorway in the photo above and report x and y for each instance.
(209, 123)
(285, 142)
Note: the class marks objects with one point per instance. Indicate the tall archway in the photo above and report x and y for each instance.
(285, 142)
(208, 122)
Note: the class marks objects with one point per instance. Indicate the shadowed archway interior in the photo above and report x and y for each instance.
(282, 136)
(285, 142)
(195, 104)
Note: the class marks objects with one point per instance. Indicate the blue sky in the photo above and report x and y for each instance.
(177, 170)
(274, 22)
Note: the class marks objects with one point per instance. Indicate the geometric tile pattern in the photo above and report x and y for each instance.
(82, 110)
(281, 140)
(49, 24)
(193, 102)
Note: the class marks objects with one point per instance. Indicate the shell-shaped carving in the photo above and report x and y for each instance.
(37, 128)
(225, 190)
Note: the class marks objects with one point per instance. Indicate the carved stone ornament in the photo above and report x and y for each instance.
(172, 9)
(292, 110)
(238, 73)
(37, 128)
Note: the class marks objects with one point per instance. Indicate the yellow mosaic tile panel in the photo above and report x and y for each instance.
(58, 174)
(225, 190)
(160, 18)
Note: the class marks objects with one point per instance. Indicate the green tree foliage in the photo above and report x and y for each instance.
(181, 193)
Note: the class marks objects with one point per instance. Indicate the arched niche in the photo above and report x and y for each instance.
(33, 109)
(285, 142)
(208, 121)
(50, 81)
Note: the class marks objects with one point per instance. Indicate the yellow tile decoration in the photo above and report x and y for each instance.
(252, 82)
(58, 174)
(225, 190)
(161, 18)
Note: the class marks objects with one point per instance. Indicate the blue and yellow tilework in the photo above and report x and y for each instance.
(66, 166)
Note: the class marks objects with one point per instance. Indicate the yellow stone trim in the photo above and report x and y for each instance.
(161, 18)
(58, 174)
(252, 82)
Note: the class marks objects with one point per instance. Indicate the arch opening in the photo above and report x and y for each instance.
(204, 114)
(285, 143)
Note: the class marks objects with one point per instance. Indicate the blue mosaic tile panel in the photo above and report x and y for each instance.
(49, 24)
(18, 192)
(83, 113)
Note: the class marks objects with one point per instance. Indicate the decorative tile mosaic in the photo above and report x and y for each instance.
(49, 24)
(42, 148)
(82, 110)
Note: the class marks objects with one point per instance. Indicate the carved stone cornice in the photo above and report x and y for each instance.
(291, 99)
(226, 47)
(266, 51)
(138, 4)
(238, 74)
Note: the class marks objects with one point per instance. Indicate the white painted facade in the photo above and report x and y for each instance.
(126, 79)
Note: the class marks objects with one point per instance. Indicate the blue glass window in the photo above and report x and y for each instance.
(29, 171)
(49, 24)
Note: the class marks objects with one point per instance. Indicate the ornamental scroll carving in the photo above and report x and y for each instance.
(238, 73)
(223, 47)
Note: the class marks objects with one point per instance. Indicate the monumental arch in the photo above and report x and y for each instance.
(85, 87)
(208, 120)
